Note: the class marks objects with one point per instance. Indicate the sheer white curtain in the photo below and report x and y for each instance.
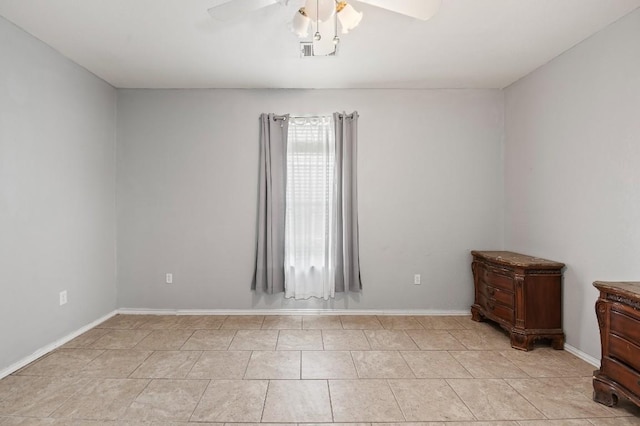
(311, 209)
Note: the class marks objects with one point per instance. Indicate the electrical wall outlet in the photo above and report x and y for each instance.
(63, 297)
(416, 279)
(169, 279)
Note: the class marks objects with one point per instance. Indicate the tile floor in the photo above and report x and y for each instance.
(170, 370)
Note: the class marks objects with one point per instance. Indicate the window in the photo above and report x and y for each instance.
(311, 208)
(307, 239)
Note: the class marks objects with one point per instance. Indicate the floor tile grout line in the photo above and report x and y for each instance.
(415, 375)
(142, 362)
(264, 402)
(461, 364)
(246, 367)
(81, 387)
(367, 339)
(525, 398)
(235, 333)
(186, 376)
(395, 398)
(405, 360)
(563, 379)
(461, 400)
(301, 366)
(407, 364)
(355, 366)
(456, 339)
(514, 364)
(333, 417)
(461, 324)
(136, 397)
(21, 371)
(414, 342)
(200, 399)
(187, 339)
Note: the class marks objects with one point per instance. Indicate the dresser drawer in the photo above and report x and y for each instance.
(625, 326)
(501, 296)
(493, 278)
(624, 351)
(621, 374)
(498, 310)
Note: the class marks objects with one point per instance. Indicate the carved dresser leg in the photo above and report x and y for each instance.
(521, 341)
(557, 342)
(476, 315)
(604, 394)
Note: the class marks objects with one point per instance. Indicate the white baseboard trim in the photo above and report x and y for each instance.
(48, 348)
(400, 312)
(583, 356)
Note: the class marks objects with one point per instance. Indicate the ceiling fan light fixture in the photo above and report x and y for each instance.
(300, 24)
(325, 17)
(320, 10)
(348, 16)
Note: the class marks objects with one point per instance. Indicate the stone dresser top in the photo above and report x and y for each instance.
(627, 288)
(509, 258)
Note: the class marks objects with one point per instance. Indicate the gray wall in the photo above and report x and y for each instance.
(572, 175)
(430, 183)
(57, 195)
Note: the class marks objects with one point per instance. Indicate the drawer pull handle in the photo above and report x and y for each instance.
(491, 292)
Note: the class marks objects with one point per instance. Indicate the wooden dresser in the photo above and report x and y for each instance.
(618, 312)
(521, 293)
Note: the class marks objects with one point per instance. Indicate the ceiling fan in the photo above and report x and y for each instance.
(323, 16)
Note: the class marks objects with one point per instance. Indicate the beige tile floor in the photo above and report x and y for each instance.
(361, 370)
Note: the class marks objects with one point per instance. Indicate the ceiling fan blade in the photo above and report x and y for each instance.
(419, 9)
(232, 9)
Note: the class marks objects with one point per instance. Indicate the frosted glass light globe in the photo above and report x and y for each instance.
(300, 24)
(324, 8)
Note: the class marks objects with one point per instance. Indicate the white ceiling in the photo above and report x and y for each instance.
(175, 44)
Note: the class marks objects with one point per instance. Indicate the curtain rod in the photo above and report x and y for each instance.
(283, 117)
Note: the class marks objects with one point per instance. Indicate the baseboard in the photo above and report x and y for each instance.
(583, 356)
(400, 312)
(48, 348)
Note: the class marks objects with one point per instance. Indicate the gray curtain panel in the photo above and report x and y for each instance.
(348, 260)
(269, 272)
